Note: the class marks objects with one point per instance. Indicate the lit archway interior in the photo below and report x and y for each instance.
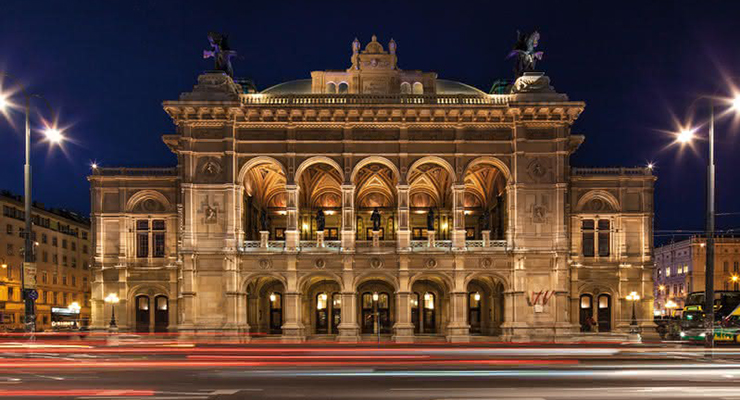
(430, 188)
(264, 192)
(320, 189)
(375, 187)
(485, 201)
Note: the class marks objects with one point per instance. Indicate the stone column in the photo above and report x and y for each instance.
(264, 238)
(186, 280)
(319, 239)
(292, 230)
(403, 236)
(348, 218)
(403, 330)
(486, 238)
(458, 217)
(458, 329)
(349, 331)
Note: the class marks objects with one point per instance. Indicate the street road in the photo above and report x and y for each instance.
(179, 371)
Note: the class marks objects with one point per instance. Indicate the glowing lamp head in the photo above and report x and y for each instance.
(94, 166)
(112, 298)
(75, 306)
(735, 103)
(4, 265)
(476, 296)
(375, 296)
(3, 103)
(685, 136)
(735, 278)
(53, 135)
(633, 296)
(273, 297)
(650, 166)
(661, 288)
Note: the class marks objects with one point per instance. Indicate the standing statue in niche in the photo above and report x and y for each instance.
(485, 221)
(264, 221)
(221, 52)
(375, 218)
(430, 220)
(524, 51)
(320, 220)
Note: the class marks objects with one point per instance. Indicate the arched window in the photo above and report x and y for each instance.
(587, 311)
(142, 313)
(161, 313)
(474, 312)
(336, 311)
(322, 313)
(331, 87)
(276, 312)
(418, 88)
(343, 88)
(405, 88)
(604, 314)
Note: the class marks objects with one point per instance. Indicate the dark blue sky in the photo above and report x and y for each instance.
(108, 65)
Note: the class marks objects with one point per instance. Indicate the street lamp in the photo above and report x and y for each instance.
(75, 307)
(377, 314)
(671, 305)
(112, 299)
(633, 297)
(685, 136)
(53, 135)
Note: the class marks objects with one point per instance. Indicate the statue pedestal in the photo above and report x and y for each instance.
(430, 236)
(264, 237)
(486, 238)
(376, 238)
(320, 239)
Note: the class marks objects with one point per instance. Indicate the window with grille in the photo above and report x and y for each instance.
(587, 228)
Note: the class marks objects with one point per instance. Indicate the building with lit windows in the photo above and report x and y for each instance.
(446, 211)
(63, 253)
(680, 268)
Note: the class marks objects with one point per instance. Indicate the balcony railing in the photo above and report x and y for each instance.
(135, 171)
(611, 171)
(366, 246)
(477, 245)
(349, 99)
(312, 245)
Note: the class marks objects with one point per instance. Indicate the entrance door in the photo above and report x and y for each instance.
(429, 319)
(587, 312)
(384, 312)
(322, 314)
(604, 315)
(336, 312)
(368, 315)
(474, 313)
(142, 313)
(276, 313)
(161, 314)
(415, 312)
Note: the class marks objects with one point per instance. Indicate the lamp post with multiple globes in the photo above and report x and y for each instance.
(634, 298)
(112, 299)
(54, 136)
(686, 136)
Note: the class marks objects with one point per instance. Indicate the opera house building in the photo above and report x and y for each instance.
(370, 203)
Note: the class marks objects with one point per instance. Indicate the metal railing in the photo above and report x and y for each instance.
(611, 171)
(135, 171)
(349, 99)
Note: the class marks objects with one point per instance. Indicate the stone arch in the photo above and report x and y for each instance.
(418, 88)
(376, 276)
(255, 161)
(343, 87)
(487, 274)
(152, 291)
(156, 288)
(374, 160)
(595, 288)
(143, 195)
(599, 194)
(305, 281)
(317, 160)
(498, 163)
(405, 88)
(245, 281)
(331, 87)
(447, 282)
(433, 160)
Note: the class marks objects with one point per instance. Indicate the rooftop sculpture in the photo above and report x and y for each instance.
(221, 52)
(524, 51)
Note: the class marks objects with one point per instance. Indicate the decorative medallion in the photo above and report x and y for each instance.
(376, 263)
(536, 169)
(486, 262)
(211, 215)
(320, 263)
(265, 264)
(539, 214)
(430, 263)
(210, 168)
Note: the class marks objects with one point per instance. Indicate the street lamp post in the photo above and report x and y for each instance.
(54, 136)
(634, 297)
(112, 299)
(686, 136)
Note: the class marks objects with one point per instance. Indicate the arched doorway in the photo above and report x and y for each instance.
(430, 303)
(322, 304)
(586, 306)
(485, 298)
(376, 307)
(161, 313)
(142, 313)
(485, 201)
(265, 305)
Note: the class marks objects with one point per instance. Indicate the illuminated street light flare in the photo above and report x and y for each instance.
(685, 136)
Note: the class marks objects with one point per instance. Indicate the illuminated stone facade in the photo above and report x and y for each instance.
(240, 249)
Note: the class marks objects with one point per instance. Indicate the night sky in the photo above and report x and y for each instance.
(107, 66)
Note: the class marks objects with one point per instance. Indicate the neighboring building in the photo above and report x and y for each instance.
(680, 268)
(523, 246)
(63, 252)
